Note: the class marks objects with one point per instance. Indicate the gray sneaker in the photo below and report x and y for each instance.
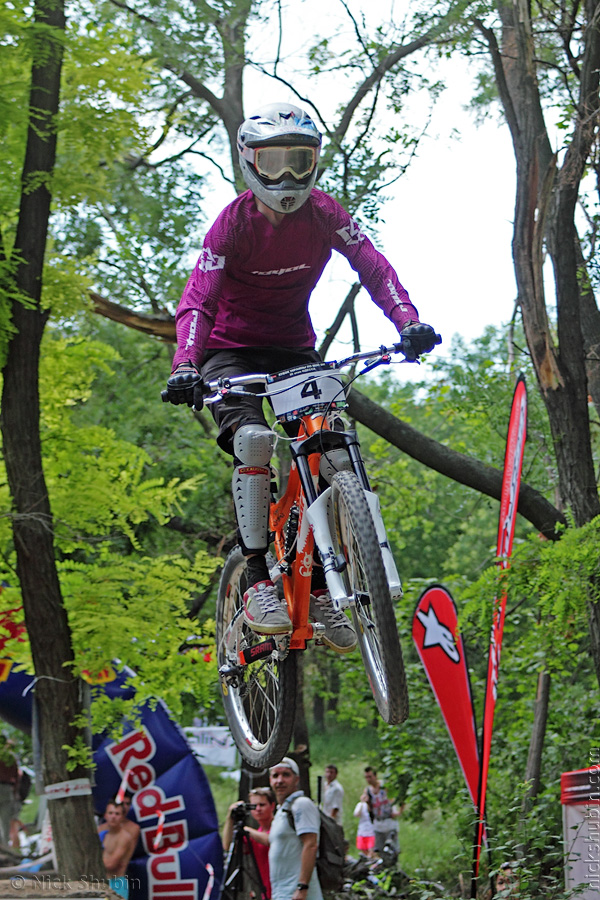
(264, 612)
(339, 632)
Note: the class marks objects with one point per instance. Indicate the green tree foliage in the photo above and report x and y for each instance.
(124, 602)
(177, 444)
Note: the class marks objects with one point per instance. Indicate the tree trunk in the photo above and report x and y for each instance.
(545, 209)
(536, 744)
(58, 693)
(301, 752)
(533, 770)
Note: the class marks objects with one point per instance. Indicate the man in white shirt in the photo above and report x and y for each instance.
(293, 849)
(333, 795)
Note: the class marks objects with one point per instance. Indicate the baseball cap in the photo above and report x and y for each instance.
(288, 763)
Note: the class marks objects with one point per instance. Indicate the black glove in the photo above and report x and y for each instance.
(185, 386)
(417, 339)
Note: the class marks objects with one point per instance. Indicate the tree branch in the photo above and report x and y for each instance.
(533, 506)
(463, 469)
(161, 326)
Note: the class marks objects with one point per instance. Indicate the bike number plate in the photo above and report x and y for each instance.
(306, 389)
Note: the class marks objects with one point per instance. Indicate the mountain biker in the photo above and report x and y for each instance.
(245, 309)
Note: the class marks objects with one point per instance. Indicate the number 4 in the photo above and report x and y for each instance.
(311, 389)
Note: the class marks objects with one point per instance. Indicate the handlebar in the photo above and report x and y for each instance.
(229, 385)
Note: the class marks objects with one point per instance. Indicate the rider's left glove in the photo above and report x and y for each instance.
(417, 339)
(185, 386)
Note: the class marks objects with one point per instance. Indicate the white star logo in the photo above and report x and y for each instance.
(437, 635)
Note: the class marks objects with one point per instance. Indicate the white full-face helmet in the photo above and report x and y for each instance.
(279, 147)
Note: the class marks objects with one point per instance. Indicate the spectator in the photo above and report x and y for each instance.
(263, 800)
(293, 850)
(118, 845)
(132, 827)
(9, 779)
(22, 792)
(333, 799)
(365, 836)
(384, 814)
(507, 881)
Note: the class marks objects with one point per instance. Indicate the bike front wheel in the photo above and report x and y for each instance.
(260, 697)
(365, 580)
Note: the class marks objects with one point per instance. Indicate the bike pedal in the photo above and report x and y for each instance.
(282, 642)
(319, 630)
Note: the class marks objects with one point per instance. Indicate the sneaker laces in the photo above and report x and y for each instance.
(267, 599)
(335, 617)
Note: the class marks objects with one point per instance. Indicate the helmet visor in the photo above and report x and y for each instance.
(274, 162)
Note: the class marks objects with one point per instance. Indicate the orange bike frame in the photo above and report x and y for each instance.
(296, 586)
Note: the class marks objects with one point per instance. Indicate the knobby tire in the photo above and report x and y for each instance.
(372, 611)
(261, 708)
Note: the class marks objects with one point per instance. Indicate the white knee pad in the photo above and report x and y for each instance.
(253, 446)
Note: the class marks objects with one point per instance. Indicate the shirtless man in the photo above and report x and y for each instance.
(132, 827)
(118, 845)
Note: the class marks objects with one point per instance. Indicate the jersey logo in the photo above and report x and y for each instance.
(351, 234)
(283, 271)
(395, 296)
(192, 333)
(209, 261)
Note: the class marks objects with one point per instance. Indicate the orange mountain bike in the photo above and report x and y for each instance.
(328, 506)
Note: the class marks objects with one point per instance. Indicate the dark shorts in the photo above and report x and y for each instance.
(236, 411)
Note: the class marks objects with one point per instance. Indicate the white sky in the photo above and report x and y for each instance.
(447, 231)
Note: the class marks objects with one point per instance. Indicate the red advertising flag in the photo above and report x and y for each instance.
(442, 653)
(513, 461)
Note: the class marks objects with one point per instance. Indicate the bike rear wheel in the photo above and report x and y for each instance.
(260, 701)
(365, 579)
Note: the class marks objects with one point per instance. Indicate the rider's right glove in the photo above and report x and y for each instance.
(417, 339)
(185, 386)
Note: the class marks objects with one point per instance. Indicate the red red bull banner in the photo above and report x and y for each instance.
(442, 652)
(513, 462)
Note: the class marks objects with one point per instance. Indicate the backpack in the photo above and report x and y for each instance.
(330, 857)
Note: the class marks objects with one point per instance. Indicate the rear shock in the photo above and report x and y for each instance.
(290, 540)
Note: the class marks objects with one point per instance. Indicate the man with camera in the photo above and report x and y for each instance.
(293, 848)
(261, 806)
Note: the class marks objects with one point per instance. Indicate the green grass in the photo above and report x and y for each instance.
(427, 847)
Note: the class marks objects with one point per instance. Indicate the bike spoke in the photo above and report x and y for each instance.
(259, 697)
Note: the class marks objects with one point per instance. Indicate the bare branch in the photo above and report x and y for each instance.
(457, 466)
(464, 469)
(345, 309)
(161, 325)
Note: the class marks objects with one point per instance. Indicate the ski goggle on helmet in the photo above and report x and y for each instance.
(274, 162)
(279, 148)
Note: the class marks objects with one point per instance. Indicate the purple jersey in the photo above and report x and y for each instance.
(252, 282)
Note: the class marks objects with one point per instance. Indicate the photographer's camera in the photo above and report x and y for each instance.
(239, 812)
